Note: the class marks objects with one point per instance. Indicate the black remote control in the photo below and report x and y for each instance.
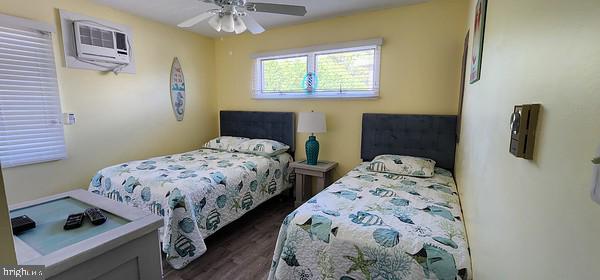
(21, 224)
(96, 216)
(74, 221)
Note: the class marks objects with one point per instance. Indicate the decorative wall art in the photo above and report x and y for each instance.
(177, 90)
(463, 79)
(478, 33)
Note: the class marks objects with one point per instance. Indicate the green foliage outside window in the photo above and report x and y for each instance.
(284, 75)
(347, 71)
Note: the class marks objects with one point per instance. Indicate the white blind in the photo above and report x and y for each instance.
(31, 130)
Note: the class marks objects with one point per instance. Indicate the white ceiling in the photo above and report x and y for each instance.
(173, 12)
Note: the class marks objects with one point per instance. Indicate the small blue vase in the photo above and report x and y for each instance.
(312, 150)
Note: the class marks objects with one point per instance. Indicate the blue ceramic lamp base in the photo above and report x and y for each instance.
(312, 150)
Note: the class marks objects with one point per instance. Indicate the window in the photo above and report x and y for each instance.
(31, 129)
(348, 70)
(284, 75)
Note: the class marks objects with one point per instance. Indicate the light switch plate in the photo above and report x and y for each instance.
(68, 119)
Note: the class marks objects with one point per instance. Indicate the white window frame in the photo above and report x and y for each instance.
(43, 28)
(311, 53)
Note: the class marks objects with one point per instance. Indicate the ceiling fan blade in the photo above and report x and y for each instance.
(276, 8)
(195, 20)
(253, 26)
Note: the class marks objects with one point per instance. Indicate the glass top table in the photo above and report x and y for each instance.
(49, 236)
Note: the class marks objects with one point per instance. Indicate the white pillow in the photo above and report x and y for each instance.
(403, 165)
(262, 147)
(225, 143)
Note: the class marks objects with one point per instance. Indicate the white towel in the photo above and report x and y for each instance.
(596, 181)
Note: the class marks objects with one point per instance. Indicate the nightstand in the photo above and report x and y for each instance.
(126, 246)
(322, 171)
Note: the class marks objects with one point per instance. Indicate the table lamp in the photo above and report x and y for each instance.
(312, 122)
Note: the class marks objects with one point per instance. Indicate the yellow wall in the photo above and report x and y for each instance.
(124, 117)
(525, 219)
(420, 67)
(534, 219)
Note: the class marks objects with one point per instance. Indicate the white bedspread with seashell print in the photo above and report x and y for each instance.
(371, 225)
(197, 192)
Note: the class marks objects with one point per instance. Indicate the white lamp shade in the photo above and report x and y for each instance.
(215, 22)
(239, 26)
(312, 122)
(227, 23)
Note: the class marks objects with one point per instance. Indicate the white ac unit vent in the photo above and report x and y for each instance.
(99, 43)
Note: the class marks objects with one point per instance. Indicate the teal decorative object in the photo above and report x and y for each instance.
(312, 123)
(309, 84)
(312, 150)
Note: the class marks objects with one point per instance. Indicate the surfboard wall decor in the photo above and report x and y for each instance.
(177, 90)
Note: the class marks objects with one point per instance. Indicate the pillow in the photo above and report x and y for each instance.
(262, 147)
(403, 165)
(225, 143)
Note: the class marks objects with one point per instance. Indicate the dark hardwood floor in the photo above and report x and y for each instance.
(242, 249)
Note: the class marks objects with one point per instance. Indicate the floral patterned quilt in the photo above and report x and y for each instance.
(372, 225)
(196, 192)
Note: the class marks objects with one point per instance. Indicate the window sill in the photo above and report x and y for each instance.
(293, 96)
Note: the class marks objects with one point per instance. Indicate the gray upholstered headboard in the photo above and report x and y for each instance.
(279, 126)
(429, 136)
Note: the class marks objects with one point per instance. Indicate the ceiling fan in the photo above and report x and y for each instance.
(233, 16)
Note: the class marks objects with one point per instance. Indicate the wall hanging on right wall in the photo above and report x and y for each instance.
(463, 80)
(596, 178)
(523, 126)
(478, 32)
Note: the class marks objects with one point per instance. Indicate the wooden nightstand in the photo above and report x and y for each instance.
(322, 171)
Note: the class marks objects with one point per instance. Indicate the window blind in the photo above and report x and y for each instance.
(31, 129)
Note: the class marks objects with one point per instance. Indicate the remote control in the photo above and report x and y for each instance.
(74, 221)
(21, 224)
(95, 215)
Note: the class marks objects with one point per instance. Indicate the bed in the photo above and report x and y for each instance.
(371, 225)
(199, 192)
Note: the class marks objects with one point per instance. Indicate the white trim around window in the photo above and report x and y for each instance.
(369, 72)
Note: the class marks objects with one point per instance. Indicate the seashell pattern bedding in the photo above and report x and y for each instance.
(197, 192)
(371, 225)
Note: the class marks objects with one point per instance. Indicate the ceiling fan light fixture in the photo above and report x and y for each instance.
(239, 26)
(232, 15)
(227, 23)
(215, 22)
